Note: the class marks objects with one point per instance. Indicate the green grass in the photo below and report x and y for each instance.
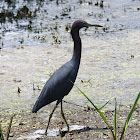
(9, 128)
(115, 120)
(1, 133)
(114, 132)
(8, 132)
(129, 116)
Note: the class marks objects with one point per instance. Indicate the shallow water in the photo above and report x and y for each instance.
(34, 47)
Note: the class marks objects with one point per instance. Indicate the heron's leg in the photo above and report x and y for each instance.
(51, 116)
(64, 117)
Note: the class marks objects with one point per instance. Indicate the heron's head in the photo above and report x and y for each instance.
(78, 24)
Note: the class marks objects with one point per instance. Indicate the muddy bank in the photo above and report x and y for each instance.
(25, 124)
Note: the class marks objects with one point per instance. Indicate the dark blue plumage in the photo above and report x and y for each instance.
(58, 85)
(61, 82)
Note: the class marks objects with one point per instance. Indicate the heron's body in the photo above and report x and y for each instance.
(61, 82)
(59, 85)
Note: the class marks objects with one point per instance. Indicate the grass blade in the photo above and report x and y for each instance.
(115, 120)
(1, 133)
(98, 110)
(9, 128)
(129, 116)
(105, 104)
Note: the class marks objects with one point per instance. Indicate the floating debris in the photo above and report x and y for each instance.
(19, 90)
(16, 80)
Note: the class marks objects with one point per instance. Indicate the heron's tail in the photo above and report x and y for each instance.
(36, 107)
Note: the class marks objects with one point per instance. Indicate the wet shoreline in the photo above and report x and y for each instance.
(35, 45)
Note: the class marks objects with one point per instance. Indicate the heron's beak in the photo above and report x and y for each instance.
(95, 25)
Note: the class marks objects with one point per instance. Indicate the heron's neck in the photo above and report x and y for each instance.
(77, 45)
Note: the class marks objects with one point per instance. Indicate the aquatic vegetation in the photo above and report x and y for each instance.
(8, 132)
(114, 132)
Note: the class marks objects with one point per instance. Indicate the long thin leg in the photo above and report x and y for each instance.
(51, 116)
(64, 117)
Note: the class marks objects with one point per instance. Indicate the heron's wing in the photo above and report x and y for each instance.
(57, 86)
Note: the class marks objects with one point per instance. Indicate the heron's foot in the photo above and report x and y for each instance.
(68, 128)
(46, 130)
(46, 133)
(62, 133)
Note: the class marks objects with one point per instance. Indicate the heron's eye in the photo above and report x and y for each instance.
(83, 23)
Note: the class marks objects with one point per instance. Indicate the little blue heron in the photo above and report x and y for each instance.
(61, 82)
